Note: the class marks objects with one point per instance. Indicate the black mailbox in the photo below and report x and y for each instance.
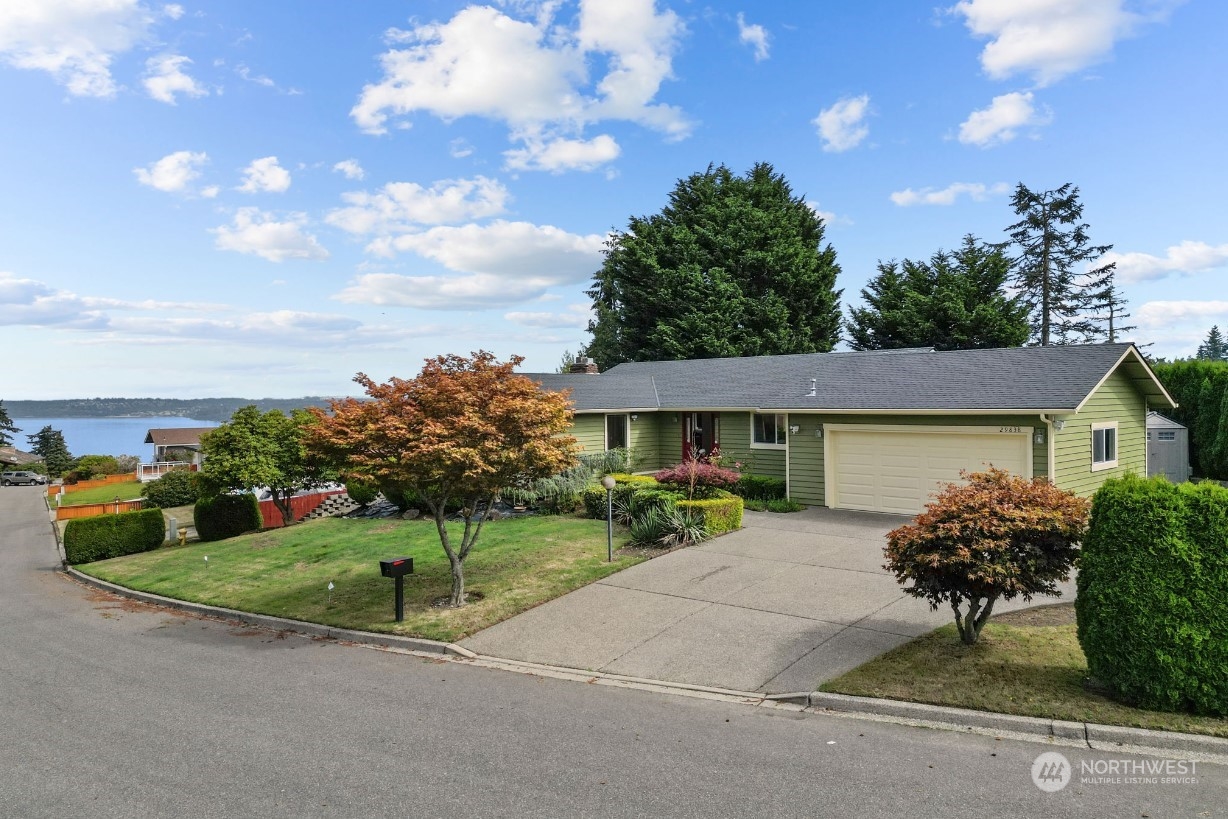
(397, 567)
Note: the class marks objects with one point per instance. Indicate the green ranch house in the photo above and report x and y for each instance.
(878, 431)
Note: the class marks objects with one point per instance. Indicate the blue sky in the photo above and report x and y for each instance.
(262, 199)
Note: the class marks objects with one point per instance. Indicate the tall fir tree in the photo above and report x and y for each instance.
(732, 266)
(1106, 306)
(1214, 348)
(954, 301)
(1047, 246)
(49, 445)
(7, 428)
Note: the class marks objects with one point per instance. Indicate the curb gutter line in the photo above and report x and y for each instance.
(1032, 729)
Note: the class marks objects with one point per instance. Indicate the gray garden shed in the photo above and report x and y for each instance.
(1168, 448)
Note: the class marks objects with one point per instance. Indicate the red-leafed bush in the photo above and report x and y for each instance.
(697, 479)
(998, 536)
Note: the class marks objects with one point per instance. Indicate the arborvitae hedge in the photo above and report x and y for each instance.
(720, 515)
(105, 536)
(224, 516)
(1153, 581)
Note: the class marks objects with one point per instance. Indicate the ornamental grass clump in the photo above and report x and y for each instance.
(999, 536)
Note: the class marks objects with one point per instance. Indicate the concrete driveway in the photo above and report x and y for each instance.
(781, 605)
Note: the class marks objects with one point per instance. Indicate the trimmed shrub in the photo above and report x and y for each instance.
(94, 466)
(361, 492)
(1152, 582)
(719, 515)
(759, 487)
(175, 488)
(784, 505)
(698, 479)
(627, 479)
(105, 536)
(594, 499)
(224, 516)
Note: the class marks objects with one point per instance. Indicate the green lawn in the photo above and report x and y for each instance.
(1018, 667)
(516, 565)
(101, 494)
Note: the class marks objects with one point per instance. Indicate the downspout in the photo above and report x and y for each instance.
(1049, 441)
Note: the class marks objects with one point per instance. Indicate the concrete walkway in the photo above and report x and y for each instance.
(779, 606)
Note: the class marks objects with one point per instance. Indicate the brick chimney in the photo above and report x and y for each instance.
(583, 366)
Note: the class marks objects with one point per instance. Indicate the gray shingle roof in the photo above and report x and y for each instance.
(1017, 378)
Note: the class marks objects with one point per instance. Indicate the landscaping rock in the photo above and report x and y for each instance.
(411, 514)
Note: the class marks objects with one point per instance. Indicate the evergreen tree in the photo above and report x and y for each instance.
(955, 301)
(1107, 305)
(732, 266)
(49, 445)
(1214, 348)
(7, 427)
(1049, 242)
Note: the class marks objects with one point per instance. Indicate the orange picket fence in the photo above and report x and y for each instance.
(89, 510)
(300, 506)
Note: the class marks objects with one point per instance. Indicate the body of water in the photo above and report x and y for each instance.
(104, 436)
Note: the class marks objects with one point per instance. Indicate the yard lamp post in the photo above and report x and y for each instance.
(609, 483)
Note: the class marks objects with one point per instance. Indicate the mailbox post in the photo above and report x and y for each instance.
(397, 568)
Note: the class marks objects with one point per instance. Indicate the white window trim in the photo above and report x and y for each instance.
(754, 445)
(1102, 465)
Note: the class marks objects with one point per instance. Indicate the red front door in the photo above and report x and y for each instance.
(700, 435)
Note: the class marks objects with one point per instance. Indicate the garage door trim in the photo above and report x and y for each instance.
(996, 430)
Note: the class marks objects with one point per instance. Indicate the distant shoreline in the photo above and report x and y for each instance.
(218, 410)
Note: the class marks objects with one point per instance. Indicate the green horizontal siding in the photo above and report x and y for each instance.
(1116, 400)
(669, 438)
(645, 442)
(806, 478)
(589, 430)
(736, 447)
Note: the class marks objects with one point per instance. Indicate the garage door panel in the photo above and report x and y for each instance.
(898, 472)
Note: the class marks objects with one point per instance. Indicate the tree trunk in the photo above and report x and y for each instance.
(458, 582)
(282, 502)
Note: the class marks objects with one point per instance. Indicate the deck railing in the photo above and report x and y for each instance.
(151, 472)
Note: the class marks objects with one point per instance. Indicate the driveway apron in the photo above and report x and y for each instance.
(781, 605)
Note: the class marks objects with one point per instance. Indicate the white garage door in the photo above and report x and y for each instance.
(889, 469)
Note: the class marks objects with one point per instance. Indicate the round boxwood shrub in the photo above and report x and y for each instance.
(106, 536)
(361, 492)
(224, 516)
(175, 488)
(1153, 578)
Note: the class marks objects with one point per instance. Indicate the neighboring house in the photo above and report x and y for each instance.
(12, 456)
(880, 431)
(177, 444)
(1168, 448)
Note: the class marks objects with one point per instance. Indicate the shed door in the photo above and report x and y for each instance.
(898, 471)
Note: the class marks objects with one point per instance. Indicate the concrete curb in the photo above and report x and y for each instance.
(277, 623)
(1035, 729)
(1087, 734)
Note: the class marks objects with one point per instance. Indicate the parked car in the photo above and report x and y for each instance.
(28, 478)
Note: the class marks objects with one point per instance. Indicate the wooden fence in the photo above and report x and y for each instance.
(89, 510)
(300, 505)
(123, 477)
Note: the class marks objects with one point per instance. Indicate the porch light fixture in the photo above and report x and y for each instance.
(1039, 437)
(794, 429)
(634, 417)
(818, 432)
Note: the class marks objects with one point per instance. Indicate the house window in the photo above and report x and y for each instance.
(768, 429)
(616, 431)
(1104, 446)
(1167, 435)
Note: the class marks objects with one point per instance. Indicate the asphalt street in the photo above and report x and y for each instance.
(114, 709)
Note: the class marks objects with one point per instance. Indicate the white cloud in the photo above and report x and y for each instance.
(1161, 314)
(532, 75)
(210, 192)
(575, 315)
(74, 41)
(265, 175)
(1184, 258)
(842, 126)
(459, 148)
(755, 36)
(1000, 122)
(558, 155)
(399, 206)
(976, 191)
(173, 10)
(499, 263)
(164, 78)
(350, 168)
(259, 233)
(259, 79)
(1050, 39)
(174, 173)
